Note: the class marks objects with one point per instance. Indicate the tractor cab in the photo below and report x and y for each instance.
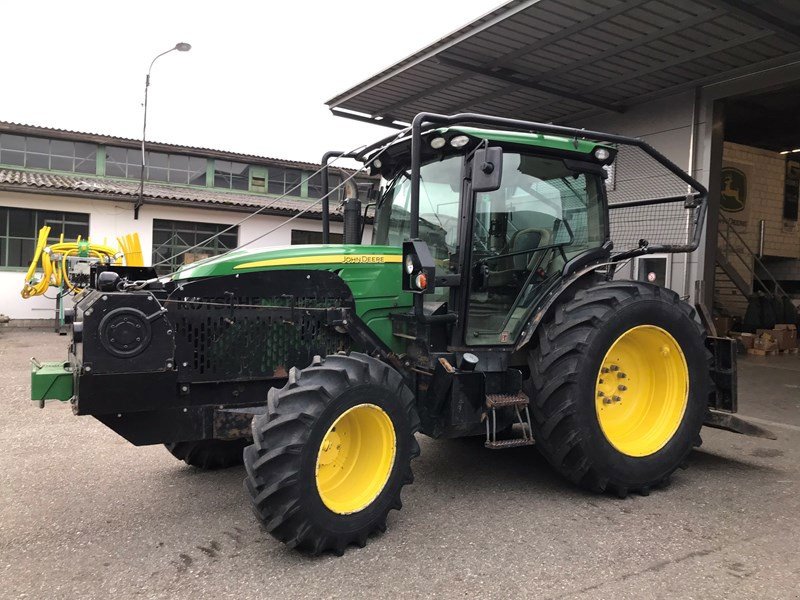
(501, 215)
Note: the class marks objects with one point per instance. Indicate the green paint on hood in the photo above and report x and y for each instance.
(373, 274)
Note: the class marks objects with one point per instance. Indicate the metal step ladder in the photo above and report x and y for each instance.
(519, 402)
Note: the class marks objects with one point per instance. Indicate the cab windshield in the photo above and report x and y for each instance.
(439, 191)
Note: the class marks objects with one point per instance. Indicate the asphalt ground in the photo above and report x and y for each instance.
(84, 514)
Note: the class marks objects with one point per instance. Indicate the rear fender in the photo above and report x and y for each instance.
(562, 291)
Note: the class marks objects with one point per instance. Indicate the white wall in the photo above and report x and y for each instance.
(109, 219)
(665, 124)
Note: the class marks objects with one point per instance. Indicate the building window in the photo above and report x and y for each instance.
(170, 238)
(284, 181)
(301, 237)
(231, 175)
(315, 185)
(52, 155)
(167, 168)
(19, 229)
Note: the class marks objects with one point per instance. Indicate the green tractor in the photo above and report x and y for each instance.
(488, 304)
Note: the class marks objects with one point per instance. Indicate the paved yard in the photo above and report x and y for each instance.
(83, 514)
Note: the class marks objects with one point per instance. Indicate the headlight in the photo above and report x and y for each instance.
(409, 264)
(437, 142)
(459, 141)
(602, 154)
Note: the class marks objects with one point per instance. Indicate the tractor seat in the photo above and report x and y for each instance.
(530, 238)
(524, 239)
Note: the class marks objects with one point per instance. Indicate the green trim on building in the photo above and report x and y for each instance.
(100, 169)
(258, 171)
(209, 173)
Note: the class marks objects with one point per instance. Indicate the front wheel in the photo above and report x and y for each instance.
(331, 455)
(209, 454)
(619, 384)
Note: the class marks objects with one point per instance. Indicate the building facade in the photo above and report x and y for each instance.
(87, 185)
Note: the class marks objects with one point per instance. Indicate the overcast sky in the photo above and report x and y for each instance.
(255, 80)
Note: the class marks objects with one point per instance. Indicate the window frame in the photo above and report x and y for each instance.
(230, 176)
(45, 157)
(41, 217)
(179, 227)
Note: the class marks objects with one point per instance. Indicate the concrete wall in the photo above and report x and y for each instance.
(110, 219)
(666, 124)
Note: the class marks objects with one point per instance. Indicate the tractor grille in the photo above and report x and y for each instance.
(248, 340)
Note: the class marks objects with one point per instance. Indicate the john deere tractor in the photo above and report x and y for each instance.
(492, 301)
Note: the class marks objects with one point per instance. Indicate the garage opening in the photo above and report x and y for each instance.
(757, 283)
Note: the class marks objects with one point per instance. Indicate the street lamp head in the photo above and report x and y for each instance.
(183, 47)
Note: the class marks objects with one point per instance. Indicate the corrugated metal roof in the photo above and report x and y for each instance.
(557, 60)
(112, 189)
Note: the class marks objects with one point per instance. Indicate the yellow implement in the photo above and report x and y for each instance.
(54, 260)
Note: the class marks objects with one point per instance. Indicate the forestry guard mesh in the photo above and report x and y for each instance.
(648, 202)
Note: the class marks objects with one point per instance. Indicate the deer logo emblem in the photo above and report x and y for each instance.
(734, 190)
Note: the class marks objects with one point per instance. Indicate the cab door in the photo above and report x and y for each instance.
(520, 237)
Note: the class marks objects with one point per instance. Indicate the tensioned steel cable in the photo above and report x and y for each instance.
(293, 217)
(251, 215)
(286, 193)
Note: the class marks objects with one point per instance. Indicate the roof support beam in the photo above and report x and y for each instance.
(520, 79)
(759, 67)
(660, 66)
(753, 14)
(511, 56)
(630, 44)
(498, 16)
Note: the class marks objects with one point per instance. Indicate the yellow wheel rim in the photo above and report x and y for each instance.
(355, 459)
(642, 390)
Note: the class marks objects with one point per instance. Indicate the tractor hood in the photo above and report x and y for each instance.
(327, 256)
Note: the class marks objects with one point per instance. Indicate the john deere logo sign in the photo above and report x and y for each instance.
(734, 190)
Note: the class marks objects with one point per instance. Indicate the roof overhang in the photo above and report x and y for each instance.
(561, 60)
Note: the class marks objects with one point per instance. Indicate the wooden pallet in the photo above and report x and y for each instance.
(759, 352)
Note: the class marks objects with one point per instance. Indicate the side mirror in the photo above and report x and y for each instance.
(487, 169)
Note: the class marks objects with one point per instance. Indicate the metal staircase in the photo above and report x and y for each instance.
(737, 265)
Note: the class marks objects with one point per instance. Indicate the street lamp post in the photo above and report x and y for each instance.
(180, 47)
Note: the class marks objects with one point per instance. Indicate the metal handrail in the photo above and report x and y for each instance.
(777, 289)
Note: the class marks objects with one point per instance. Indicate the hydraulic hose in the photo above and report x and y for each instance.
(55, 264)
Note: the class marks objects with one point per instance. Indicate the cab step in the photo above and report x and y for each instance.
(503, 400)
(513, 443)
(519, 402)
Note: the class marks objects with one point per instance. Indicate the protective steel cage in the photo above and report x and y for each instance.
(649, 206)
(654, 205)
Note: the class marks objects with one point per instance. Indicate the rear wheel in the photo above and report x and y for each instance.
(331, 455)
(619, 384)
(209, 454)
